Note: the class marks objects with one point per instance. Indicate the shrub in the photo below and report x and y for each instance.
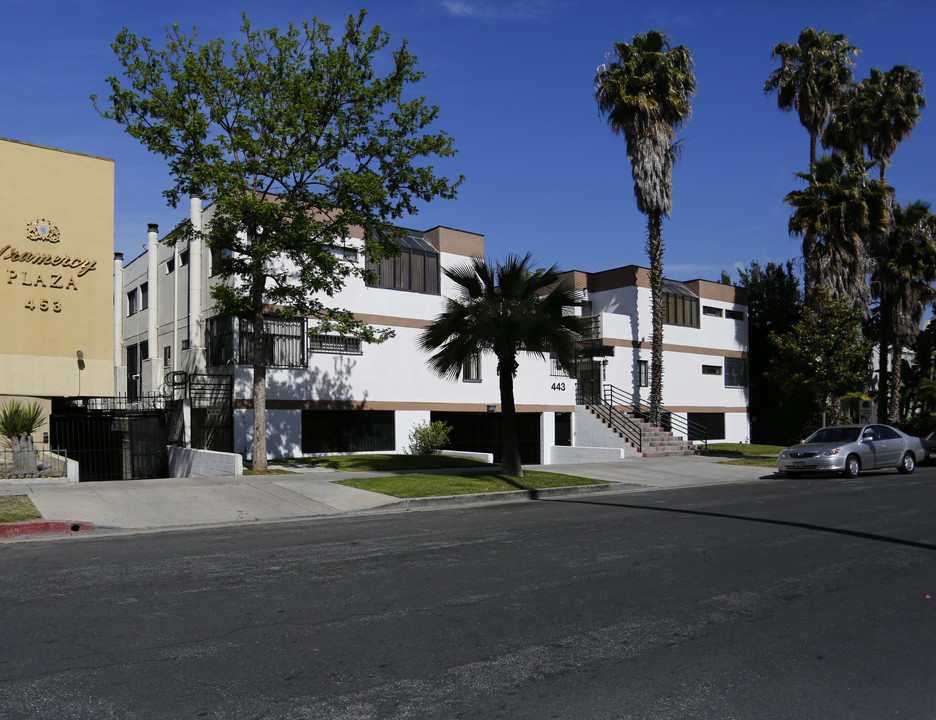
(17, 418)
(429, 438)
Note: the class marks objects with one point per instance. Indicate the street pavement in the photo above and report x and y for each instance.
(191, 502)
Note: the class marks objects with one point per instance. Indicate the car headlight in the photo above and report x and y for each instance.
(829, 453)
(784, 453)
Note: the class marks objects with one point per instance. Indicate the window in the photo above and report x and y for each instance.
(643, 373)
(186, 344)
(345, 253)
(170, 266)
(335, 344)
(706, 426)
(416, 268)
(217, 255)
(144, 350)
(144, 296)
(681, 307)
(167, 356)
(183, 258)
(284, 343)
(735, 372)
(734, 314)
(711, 311)
(711, 370)
(131, 303)
(471, 369)
(219, 340)
(555, 369)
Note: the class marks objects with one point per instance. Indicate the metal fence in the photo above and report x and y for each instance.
(36, 464)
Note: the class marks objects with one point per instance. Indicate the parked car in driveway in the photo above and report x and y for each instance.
(929, 446)
(849, 449)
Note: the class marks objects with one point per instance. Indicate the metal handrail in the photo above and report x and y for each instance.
(627, 426)
(615, 397)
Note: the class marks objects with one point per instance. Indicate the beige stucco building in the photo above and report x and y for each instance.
(56, 282)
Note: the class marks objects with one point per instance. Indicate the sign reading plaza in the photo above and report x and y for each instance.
(43, 270)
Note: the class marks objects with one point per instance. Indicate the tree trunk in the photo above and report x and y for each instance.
(883, 381)
(655, 253)
(510, 451)
(24, 454)
(893, 405)
(259, 385)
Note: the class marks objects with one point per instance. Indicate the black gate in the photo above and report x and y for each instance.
(212, 399)
(481, 432)
(112, 438)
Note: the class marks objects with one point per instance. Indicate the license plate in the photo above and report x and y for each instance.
(797, 464)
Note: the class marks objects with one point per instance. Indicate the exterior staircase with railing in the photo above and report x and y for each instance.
(628, 418)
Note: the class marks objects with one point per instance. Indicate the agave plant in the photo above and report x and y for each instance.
(18, 421)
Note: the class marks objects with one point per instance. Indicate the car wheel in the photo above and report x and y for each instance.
(791, 474)
(907, 463)
(852, 466)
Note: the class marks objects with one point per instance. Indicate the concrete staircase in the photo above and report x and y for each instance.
(654, 441)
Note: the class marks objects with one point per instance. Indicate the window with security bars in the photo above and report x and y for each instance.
(555, 369)
(471, 368)
(285, 347)
(735, 372)
(681, 310)
(219, 341)
(339, 344)
(643, 373)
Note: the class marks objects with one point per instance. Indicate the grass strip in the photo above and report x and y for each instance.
(744, 449)
(417, 486)
(382, 463)
(16, 508)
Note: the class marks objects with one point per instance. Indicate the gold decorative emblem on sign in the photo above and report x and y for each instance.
(42, 230)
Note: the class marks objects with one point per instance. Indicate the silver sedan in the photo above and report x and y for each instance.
(849, 449)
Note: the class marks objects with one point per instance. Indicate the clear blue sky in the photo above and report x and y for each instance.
(513, 80)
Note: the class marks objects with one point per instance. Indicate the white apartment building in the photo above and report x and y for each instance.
(329, 394)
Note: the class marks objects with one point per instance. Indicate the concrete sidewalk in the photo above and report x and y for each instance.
(189, 502)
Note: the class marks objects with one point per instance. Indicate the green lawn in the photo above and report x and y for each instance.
(16, 508)
(382, 463)
(747, 454)
(415, 486)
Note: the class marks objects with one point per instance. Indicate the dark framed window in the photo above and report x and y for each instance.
(681, 309)
(416, 268)
(167, 356)
(131, 302)
(643, 373)
(706, 426)
(285, 347)
(144, 296)
(711, 311)
(335, 344)
(327, 431)
(735, 372)
(183, 258)
(471, 368)
(170, 266)
(734, 314)
(555, 369)
(219, 340)
(711, 370)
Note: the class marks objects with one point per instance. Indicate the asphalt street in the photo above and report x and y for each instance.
(811, 598)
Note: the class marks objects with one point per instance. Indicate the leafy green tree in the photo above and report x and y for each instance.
(429, 438)
(825, 352)
(904, 275)
(506, 309)
(812, 77)
(877, 114)
(773, 297)
(296, 139)
(835, 215)
(645, 90)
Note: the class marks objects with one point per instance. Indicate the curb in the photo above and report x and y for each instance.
(506, 496)
(43, 527)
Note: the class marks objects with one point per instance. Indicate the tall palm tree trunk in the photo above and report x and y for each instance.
(510, 452)
(655, 253)
(893, 404)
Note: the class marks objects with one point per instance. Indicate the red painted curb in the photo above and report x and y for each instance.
(43, 527)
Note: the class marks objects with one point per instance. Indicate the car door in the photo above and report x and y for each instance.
(892, 446)
(873, 447)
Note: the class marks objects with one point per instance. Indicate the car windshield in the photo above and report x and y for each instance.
(834, 435)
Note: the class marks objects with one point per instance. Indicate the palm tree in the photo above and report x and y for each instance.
(877, 114)
(835, 215)
(506, 309)
(645, 90)
(904, 275)
(813, 75)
